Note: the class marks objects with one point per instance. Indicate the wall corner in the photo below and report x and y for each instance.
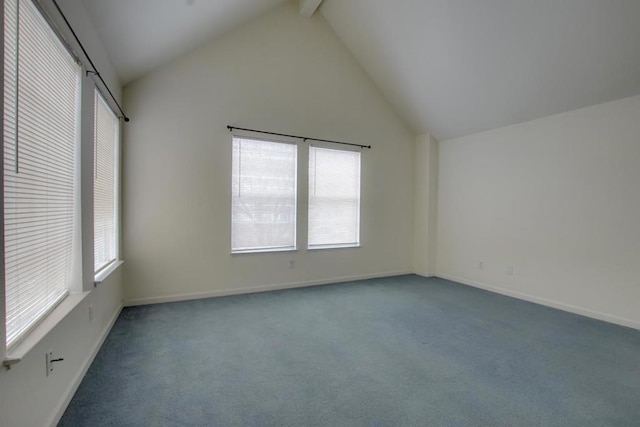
(425, 201)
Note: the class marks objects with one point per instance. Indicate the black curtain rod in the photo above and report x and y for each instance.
(304, 138)
(95, 70)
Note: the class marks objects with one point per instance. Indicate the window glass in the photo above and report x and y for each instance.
(334, 198)
(41, 99)
(263, 196)
(105, 208)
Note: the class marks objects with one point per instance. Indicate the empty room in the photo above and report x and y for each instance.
(320, 213)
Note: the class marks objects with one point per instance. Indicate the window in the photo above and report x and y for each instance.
(41, 116)
(105, 208)
(334, 198)
(263, 196)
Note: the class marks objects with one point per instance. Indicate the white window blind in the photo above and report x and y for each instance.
(263, 196)
(106, 129)
(41, 96)
(334, 198)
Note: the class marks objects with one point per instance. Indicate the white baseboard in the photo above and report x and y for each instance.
(424, 274)
(68, 395)
(543, 301)
(240, 291)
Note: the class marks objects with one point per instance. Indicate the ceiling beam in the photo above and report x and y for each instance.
(308, 7)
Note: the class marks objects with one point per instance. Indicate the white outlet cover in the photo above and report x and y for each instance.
(48, 356)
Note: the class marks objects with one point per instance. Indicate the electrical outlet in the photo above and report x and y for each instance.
(480, 265)
(49, 365)
(91, 313)
(50, 361)
(291, 263)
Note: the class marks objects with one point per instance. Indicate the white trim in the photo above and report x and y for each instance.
(424, 274)
(263, 251)
(544, 301)
(102, 275)
(42, 329)
(333, 246)
(71, 390)
(240, 291)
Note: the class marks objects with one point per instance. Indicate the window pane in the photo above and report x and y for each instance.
(334, 198)
(40, 136)
(263, 195)
(104, 185)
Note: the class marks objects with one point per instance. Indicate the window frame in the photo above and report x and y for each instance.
(105, 270)
(358, 242)
(301, 239)
(264, 249)
(74, 282)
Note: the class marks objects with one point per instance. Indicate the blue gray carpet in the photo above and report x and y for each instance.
(399, 351)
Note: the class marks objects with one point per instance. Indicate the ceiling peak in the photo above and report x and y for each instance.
(308, 7)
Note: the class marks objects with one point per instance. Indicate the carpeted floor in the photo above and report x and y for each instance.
(398, 351)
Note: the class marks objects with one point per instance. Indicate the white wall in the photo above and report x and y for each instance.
(27, 396)
(558, 199)
(281, 72)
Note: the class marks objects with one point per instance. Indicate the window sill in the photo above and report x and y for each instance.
(102, 275)
(348, 245)
(262, 251)
(47, 324)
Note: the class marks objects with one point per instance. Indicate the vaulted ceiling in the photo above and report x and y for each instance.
(449, 67)
(140, 35)
(456, 67)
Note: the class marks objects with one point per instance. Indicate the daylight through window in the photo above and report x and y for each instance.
(263, 196)
(334, 198)
(41, 115)
(105, 207)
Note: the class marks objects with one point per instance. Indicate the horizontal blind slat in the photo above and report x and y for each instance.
(40, 133)
(263, 195)
(334, 197)
(104, 197)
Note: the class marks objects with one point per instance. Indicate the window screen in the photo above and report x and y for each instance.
(41, 97)
(334, 198)
(263, 196)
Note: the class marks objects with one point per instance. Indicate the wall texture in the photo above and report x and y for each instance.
(281, 72)
(550, 208)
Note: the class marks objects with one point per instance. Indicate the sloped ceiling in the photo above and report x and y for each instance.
(140, 35)
(449, 67)
(456, 67)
